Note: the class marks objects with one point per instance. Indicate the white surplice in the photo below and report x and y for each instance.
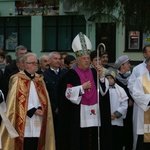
(89, 114)
(33, 124)
(118, 102)
(137, 71)
(141, 101)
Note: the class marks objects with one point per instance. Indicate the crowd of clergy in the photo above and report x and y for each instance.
(76, 101)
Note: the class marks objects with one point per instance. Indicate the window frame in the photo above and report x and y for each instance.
(72, 27)
(16, 29)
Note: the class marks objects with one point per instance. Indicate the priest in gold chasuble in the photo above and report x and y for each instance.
(29, 111)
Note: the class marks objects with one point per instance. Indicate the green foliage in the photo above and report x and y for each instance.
(96, 5)
(137, 14)
(134, 14)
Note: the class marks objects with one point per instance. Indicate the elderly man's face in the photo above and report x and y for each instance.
(55, 61)
(44, 63)
(31, 64)
(83, 62)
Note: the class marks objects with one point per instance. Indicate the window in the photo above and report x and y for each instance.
(59, 31)
(15, 31)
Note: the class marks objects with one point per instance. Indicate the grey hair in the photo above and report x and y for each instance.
(40, 58)
(25, 57)
(53, 53)
(20, 47)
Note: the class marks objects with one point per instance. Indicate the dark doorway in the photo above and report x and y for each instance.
(106, 33)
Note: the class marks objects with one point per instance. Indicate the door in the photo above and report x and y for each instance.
(106, 33)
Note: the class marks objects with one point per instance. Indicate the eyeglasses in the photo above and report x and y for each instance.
(33, 63)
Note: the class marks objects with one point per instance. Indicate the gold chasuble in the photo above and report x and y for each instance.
(146, 87)
(17, 104)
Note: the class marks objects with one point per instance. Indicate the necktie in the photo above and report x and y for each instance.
(56, 72)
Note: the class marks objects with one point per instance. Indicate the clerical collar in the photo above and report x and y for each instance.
(31, 76)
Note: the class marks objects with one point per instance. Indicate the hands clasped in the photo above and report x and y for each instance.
(39, 112)
(87, 85)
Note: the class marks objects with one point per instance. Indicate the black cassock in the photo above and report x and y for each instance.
(70, 135)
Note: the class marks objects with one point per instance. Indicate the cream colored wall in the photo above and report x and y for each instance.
(120, 45)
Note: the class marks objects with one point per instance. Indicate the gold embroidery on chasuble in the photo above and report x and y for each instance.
(21, 105)
(146, 87)
(17, 103)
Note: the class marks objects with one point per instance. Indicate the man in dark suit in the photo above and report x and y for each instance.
(12, 68)
(52, 77)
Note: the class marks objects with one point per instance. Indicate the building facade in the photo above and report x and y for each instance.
(43, 29)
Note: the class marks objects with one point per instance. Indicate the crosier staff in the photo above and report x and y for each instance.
(101, 48)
